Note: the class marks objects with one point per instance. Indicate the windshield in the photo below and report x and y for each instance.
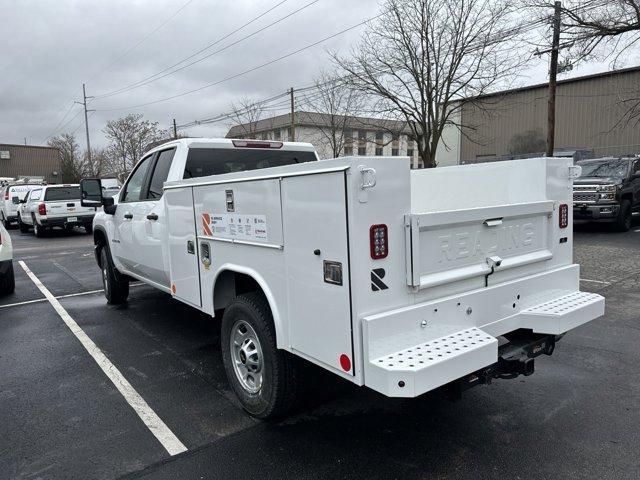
(211, 161)
(616, 168)
(62, 193)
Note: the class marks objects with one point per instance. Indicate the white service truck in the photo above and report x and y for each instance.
(401, 280)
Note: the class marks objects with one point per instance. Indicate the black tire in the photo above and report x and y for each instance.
(38, 230)
(278, 387)
(623, 222)
(6, 223)
(88, 229)
(23, 227)
(7, 281)
(116, 289)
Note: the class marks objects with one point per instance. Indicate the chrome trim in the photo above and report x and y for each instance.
(242, 242)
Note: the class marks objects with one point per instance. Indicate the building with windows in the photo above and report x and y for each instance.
(336, 135)
(18, 161)
(595, 114)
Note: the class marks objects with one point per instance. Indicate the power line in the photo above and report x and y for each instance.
(141, 41)
(224, 37)
(159, 75)
(258, 67)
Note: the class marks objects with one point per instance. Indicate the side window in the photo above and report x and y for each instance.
(133, 187)
(160, 174)
(636, 167)
(35, 195)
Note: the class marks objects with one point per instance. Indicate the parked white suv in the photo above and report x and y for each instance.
(54, 206)
(7, 281)
(10, 196)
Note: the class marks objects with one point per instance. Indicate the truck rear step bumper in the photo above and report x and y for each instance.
(408, 354)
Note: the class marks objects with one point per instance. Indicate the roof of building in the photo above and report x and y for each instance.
(314, 119)
(592, 76)
(21, 145)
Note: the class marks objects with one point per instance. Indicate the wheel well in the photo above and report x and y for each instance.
(99, 240)
(229, 285)
(627, 196)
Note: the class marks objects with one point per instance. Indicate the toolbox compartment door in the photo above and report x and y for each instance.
(316, 237)
(183, 246)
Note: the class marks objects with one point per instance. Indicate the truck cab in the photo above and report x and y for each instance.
(607, 191)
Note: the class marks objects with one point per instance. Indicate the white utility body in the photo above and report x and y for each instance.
(401, 280)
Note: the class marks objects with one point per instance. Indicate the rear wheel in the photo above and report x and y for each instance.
(7, 280)
(38, 230)
(116, 289)
(88, 229)
(6, 223)
(262, 376)
(623, 222)
(24, 228)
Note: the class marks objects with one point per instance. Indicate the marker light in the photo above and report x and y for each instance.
(378, 241)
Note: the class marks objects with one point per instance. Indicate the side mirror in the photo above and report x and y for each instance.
(24, 200)
(15, 200)
(91, 192)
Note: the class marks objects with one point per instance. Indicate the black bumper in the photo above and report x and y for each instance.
(85, 220)
(596, 213)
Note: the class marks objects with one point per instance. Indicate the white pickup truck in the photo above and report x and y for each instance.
(50, 206)
(400, 280)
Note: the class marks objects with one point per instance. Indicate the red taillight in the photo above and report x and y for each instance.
(6, 194)
(378, 241)
(563, 215)
(256, 144)
(42, 209)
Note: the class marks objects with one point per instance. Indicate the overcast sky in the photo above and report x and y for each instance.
(49, 48)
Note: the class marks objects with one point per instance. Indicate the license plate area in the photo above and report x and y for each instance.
(445, 247)
(72, 219)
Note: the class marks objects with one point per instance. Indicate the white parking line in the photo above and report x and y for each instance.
(153, 422)
(40, 300)
(595, 281)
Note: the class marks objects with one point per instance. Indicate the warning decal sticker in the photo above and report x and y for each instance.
(235, 225)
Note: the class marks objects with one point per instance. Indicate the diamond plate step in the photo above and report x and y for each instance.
(564, 313)
(428, 365)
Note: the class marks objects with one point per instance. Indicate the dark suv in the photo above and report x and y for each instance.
(608, 190)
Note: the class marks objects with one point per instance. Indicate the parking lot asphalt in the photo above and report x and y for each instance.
(61, 416)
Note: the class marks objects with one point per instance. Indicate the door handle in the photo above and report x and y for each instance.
(152, 216)
(128, 215)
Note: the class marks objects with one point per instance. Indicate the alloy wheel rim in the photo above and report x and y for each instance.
(246, 356)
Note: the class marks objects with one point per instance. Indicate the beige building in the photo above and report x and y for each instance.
(30, 161)
(590, 115)
(361, 135)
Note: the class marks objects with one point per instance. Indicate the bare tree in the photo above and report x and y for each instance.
(602, 28)
(129, 138)
(338, 103)
(245, 113)
(419, 59)
(70, 158)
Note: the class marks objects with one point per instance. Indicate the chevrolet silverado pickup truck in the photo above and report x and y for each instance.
(608, 190)
(402, 281)
(51, 206)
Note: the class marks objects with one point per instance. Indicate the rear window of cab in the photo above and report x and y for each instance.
(62, 193)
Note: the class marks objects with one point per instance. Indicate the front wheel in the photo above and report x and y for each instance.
(24, 228)
(116, 289)
(262, 376)
(623, 222)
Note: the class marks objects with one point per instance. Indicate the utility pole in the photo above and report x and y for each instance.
(292, 136)
(175, 129)
(86, 120)
(553, 72)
